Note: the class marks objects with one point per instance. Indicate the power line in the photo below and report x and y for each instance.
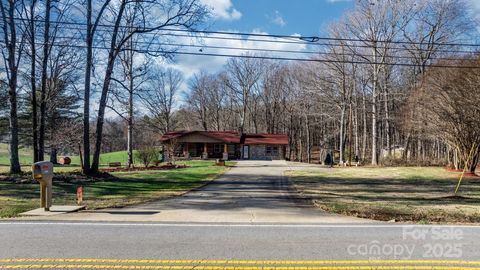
(149, 51)
(276, 41)
(309, 39)
(201, 47)
(296, 43)
(335, 54)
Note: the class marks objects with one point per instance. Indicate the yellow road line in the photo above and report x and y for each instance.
(238, 262)
(100, 266)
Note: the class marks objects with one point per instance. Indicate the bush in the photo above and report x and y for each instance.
(146, 155)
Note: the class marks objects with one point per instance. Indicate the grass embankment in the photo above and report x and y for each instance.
(410, 194)
(126, 189)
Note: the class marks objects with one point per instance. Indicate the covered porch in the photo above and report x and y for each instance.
(203, 144)
(199, 150)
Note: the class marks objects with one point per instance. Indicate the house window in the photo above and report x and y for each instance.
(271, 150)
(218, 148)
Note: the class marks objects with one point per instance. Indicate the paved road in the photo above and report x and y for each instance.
(251, 192)
(247, 214)
(100, 244)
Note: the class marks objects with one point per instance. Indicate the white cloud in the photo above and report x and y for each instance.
(223, 9)
(336, 1)
(277, 19)
(474, 5)
(191, 64)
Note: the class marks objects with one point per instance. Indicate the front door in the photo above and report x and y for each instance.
(246, 150)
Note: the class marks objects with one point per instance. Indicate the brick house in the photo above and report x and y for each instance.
(225, 145)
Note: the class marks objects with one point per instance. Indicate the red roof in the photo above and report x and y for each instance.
(224, 136)
(266, 139)
(174, 134)
(232, 137)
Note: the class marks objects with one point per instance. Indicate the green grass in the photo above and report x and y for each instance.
(130, 188)
(25, 155)
(120, 156)
(411, 194)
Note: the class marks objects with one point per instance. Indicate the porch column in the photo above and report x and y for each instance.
(205, 151)
(225, 152)
(186, 152)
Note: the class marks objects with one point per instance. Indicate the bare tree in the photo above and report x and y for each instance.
(243, 76)
(199, 97)
(152, 16)
(377, 25)
(160, 95)
(43, 89)
(452, 111)
(92, 25)
(435, 23)
(12, 53)
(30, 31)
(216, 96)
(134, 68)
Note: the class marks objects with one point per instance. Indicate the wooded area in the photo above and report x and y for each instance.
(393, 82)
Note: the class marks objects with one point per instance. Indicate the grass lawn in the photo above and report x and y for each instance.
(412, 194)
(130, 188)
(25, 156)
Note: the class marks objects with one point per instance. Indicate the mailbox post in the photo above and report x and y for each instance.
(43, 172)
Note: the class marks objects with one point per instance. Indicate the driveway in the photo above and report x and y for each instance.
(251, 192)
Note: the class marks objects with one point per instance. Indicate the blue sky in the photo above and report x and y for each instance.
(305, 17)
(284, 17)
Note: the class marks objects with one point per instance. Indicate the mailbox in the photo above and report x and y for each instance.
(43, 173)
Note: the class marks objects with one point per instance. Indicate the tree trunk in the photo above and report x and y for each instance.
(86, 101)
(374, 108)
(307, 130)
(387, 117)
(364, 136)
(105, 88)
(53, 155)
(406, 146)
(204, 118)
(130, 126)
(244, 111)
(13, 121)
(474, 162)
(10, 39)
(350, 131)
(130, 109)
(33, 83)
(357, 147)
(342, 133)
(43, 90)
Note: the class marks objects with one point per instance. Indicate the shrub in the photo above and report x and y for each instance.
(146, 155)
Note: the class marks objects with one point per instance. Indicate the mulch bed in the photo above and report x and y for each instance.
(466, 174)
(452, 169)
(152, 168)
(469, 174)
